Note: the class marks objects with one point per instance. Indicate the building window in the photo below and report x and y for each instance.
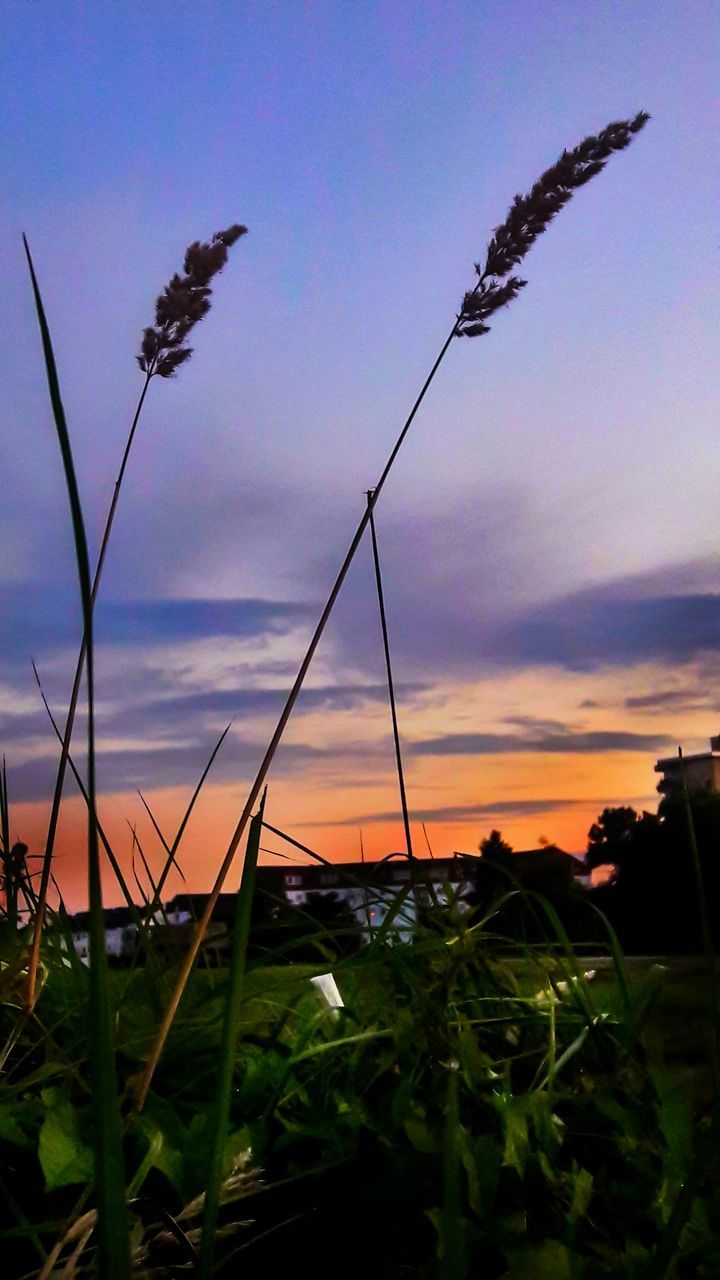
(328, 879)
(293, 879)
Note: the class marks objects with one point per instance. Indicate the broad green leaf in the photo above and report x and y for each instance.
(64, 1155)
(548, 1128)
(582, 1190)
(237, 1151)
(481, 1160)
(676, 1123)
(160, 1155)
(517, 1141)
(452, 1233)
(420, 1136)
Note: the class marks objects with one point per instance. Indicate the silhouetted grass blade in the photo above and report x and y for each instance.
(584, 162)
(231, 1026)
(114, 1244)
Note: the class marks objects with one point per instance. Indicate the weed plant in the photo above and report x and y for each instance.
(433, 1108)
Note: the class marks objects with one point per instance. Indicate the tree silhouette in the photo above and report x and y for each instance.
(495, 849)
(652, 896)
(610, 838)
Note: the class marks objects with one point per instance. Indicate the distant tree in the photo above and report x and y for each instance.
(610, 838)
(652, 898)
(495, 849)
(518, 884)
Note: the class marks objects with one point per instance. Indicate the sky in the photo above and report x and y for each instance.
(549, 533)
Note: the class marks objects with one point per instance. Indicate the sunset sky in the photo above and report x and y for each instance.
(550, 535)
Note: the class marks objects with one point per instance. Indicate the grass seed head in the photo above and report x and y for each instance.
(183, 302)
(528, 217)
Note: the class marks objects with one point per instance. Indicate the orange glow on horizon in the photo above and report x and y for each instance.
(212, 825)
(538, 794)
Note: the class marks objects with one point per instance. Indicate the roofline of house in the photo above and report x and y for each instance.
(675, 762)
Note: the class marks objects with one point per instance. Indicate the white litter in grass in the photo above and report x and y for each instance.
(327, 987)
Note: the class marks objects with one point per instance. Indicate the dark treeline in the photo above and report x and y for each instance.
(651, 897)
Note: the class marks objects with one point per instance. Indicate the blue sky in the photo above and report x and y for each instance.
(548, 536)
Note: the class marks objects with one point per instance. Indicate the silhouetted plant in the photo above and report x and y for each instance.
(184, 302)
(529, 216)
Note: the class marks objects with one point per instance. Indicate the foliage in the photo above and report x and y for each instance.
(561, 1151)
(652, 898)
(611, 837)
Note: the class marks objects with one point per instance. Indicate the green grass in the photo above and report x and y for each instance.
(566, 1143)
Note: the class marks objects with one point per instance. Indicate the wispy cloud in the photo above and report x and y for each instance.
(516, 617)
(37, 620)
(463, 813)
(662, 700)
(148, 621)
(566, 742)
(168, 765)
(601, 627)
(157, 716)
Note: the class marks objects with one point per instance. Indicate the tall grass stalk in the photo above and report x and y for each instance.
(390, 683)
(72, 709)
(113, 1237)
(296, 844)
(228, 1049)
(115, 865)
(452, 1223)
(179, 308)
(9, 883)
(172, 850)
(527, 219)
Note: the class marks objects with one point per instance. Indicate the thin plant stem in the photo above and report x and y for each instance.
(83, 792)
(230, 1035)
(72, 708)
(429, 846)
(5, 834)
(204, 921)
(527, 219)
(171, 859)
(162, 352)
(114, 1241)
(391, 686)
(317, 857)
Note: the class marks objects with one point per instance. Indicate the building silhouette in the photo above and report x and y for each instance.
(701, 771)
